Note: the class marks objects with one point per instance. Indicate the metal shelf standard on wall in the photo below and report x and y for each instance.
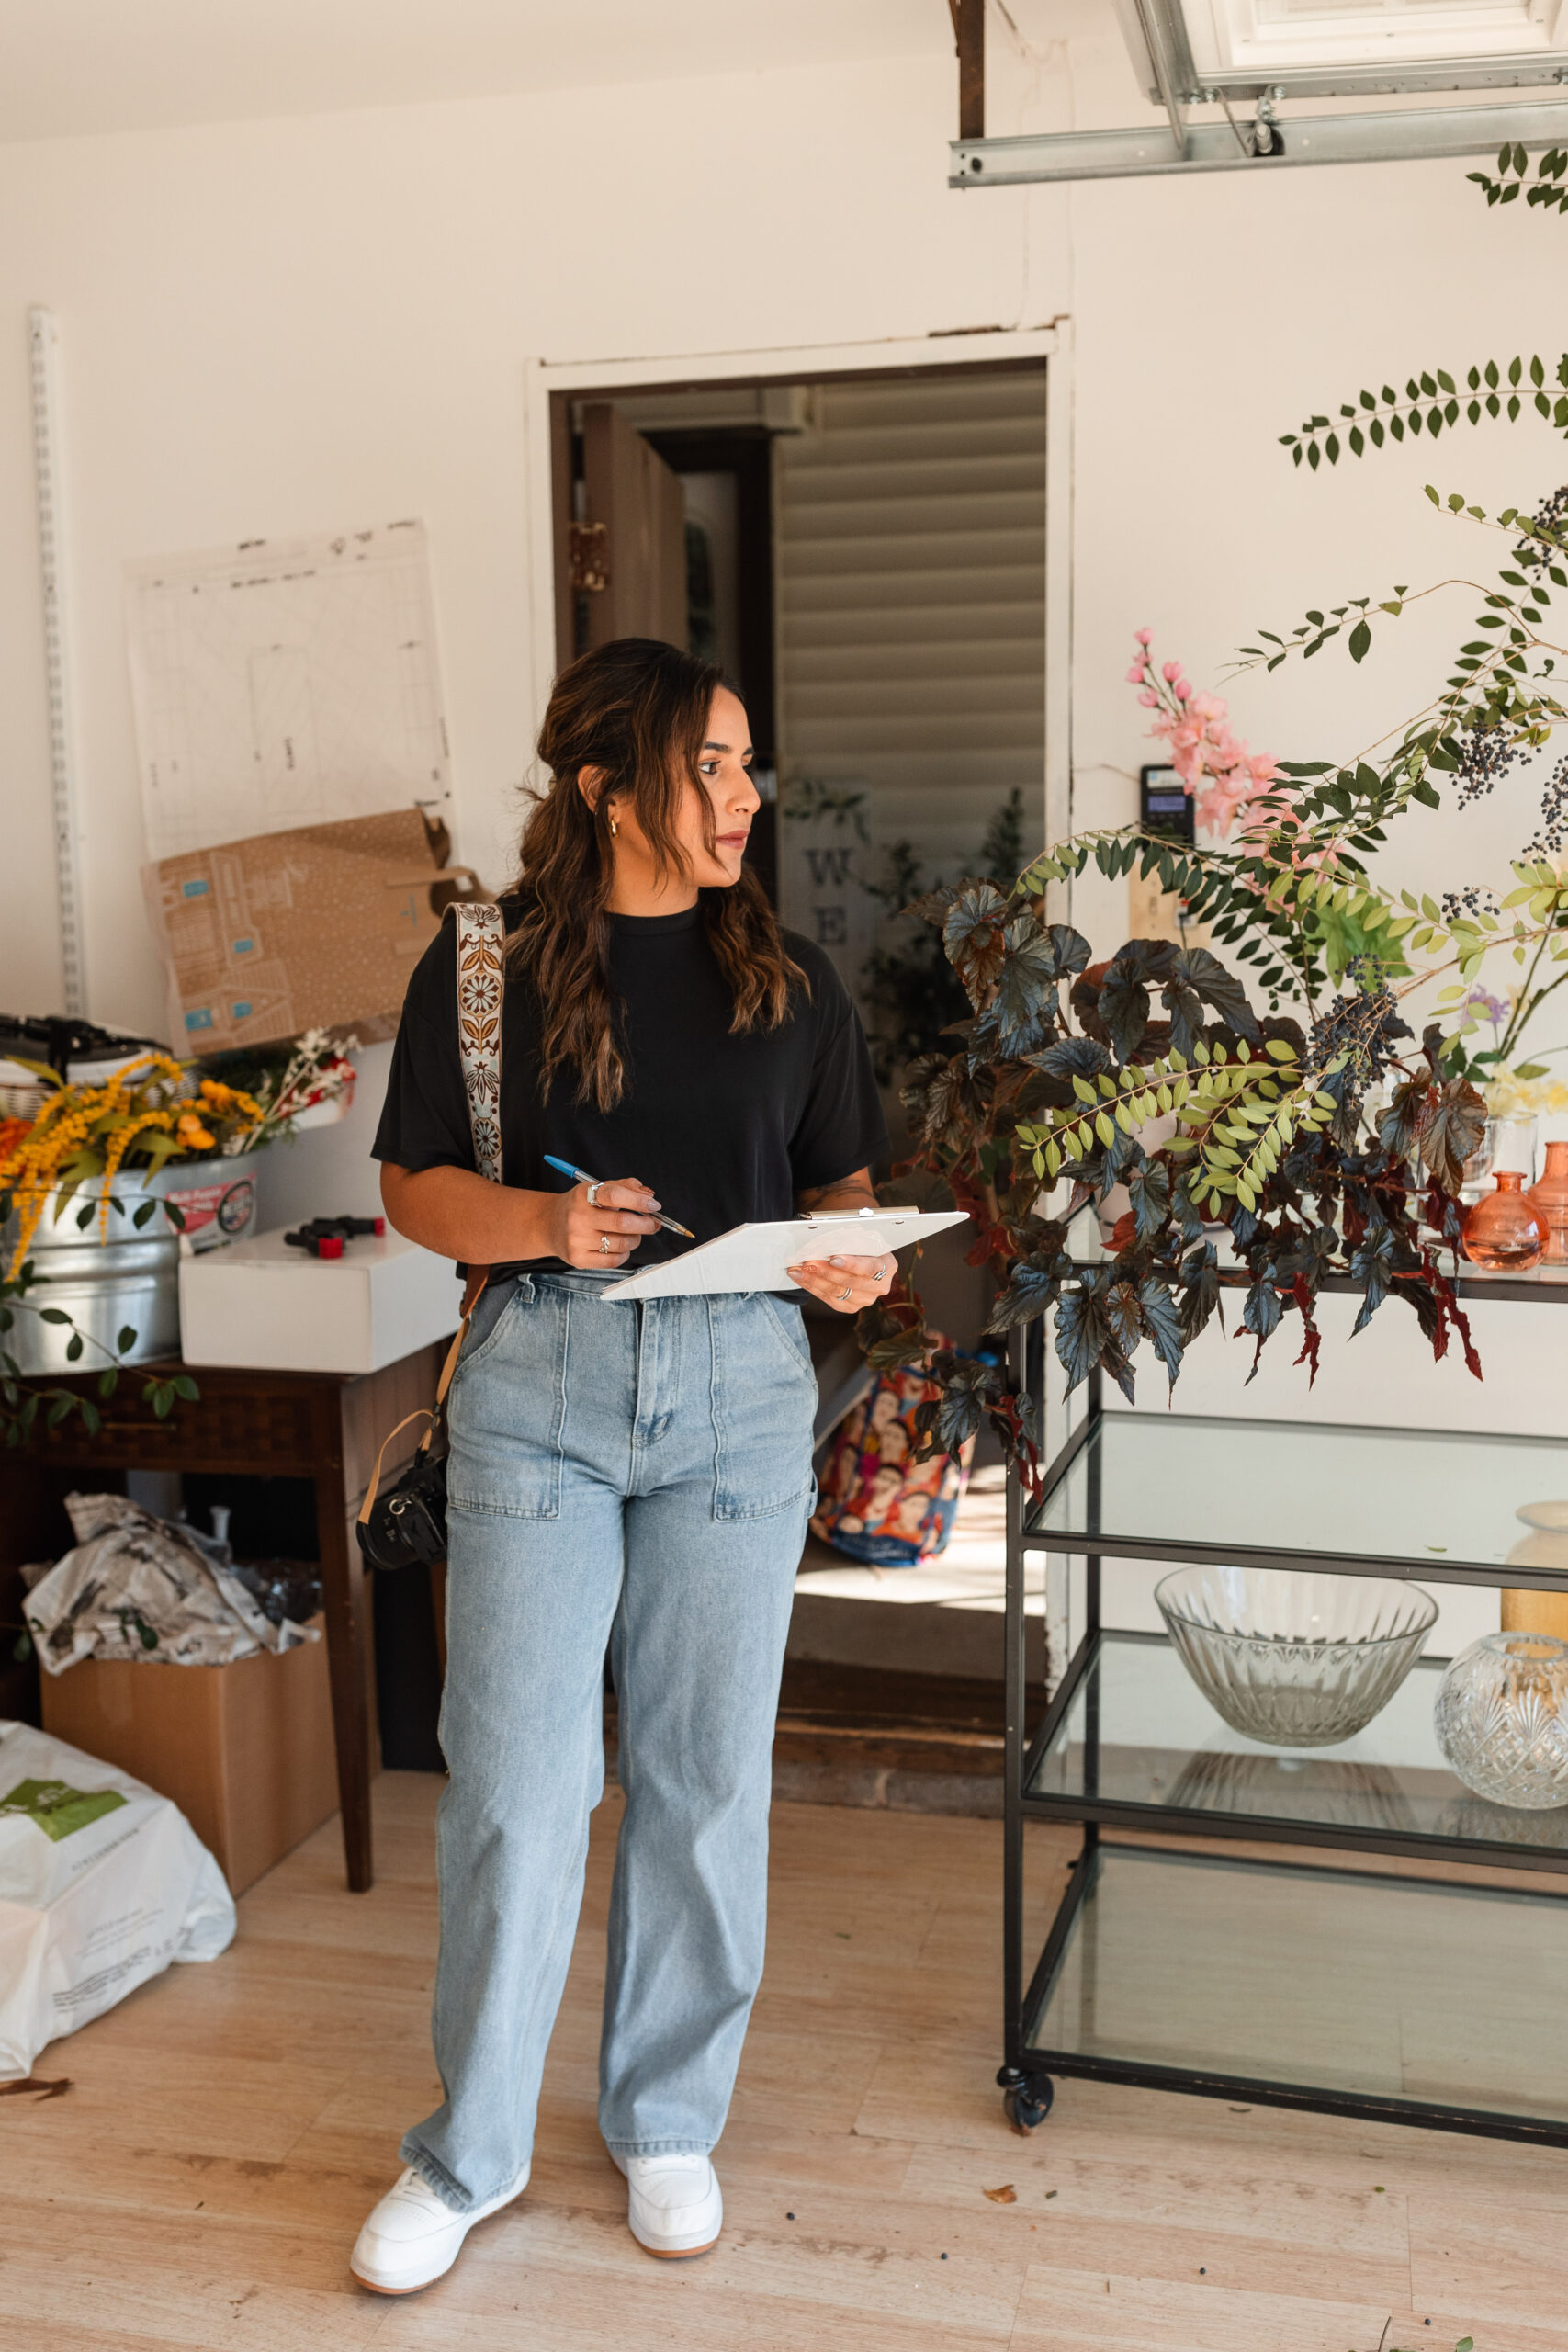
(43, 344)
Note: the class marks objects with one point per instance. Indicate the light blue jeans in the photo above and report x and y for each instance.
(636, 1476)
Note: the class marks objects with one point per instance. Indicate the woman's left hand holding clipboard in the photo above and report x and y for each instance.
(843, 1283)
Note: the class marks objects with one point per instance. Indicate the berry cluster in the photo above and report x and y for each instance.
(1552, 837)
(1488, 756)
(1357, 1031)
(1474, 899)
(1550, 515)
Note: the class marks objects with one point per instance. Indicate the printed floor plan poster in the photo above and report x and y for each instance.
(284, 683)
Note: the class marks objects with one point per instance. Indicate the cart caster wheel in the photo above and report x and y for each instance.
(1026, 2099)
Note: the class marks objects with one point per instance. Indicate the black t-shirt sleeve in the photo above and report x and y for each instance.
(842, 1127)
(424, 1120)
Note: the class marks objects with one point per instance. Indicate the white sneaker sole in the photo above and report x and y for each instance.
(675, 2253)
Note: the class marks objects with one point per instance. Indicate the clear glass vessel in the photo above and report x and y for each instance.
(1549, 1199)
(1506, 1143)
(1501, 1719)
(1511, 1140)
(1294, 1660)
(1501, 1232)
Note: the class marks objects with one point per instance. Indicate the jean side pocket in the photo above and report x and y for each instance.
(790, 1325)
(764, 1403)
(496, 1303)
(507, 1409)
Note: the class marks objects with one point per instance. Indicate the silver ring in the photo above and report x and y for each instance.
(844, 1293)
(880, 1271)
(604, 1243)
(593, 1196)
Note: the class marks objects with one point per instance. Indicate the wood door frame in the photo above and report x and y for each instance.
(551, 386)
(745, 453)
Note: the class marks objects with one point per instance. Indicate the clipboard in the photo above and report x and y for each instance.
(757, 1257)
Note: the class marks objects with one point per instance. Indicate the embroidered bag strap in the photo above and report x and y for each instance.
(481, 936)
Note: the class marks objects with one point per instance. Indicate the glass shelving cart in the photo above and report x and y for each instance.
(1367, 1978)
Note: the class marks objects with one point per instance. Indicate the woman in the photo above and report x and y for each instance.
(621, 1475)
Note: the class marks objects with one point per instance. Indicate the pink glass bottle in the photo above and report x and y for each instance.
(1549, 1199)
(1503, 1232)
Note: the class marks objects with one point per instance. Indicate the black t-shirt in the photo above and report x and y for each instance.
(727, 1129)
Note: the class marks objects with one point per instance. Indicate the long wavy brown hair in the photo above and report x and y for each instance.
(639, 712)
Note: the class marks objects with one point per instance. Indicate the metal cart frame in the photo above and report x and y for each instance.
(1027, 2070)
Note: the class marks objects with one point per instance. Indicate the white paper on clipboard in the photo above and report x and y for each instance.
(758, 1257)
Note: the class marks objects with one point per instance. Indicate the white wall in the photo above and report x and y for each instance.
(273, 326)
(285, 325)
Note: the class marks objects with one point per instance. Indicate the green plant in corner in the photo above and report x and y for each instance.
(1150, 1071)
(1265, 1138)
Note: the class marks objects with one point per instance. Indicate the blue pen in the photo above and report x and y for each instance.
(580, 1176)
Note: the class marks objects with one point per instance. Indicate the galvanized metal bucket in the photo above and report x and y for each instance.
(130, 1279)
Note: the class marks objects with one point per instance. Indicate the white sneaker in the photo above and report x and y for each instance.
(674, 2206)
(412, 2237)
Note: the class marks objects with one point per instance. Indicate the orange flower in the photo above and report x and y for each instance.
(88, 1128)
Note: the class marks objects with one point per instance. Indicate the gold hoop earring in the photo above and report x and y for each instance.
(615, 829)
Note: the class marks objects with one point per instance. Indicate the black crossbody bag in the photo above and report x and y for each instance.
(406, 1527)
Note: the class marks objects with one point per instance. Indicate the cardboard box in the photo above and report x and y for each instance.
(263, 1307)
(319, 928)
(245, 1750)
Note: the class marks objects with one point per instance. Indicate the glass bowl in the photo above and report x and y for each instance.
(1293, 1659)
(1502, 1719)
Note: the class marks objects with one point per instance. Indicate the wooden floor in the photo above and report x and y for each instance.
(227, 2127)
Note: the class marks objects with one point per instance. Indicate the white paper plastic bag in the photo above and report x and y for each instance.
(102, 1884)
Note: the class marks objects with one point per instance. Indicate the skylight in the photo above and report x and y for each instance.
(1280, 36)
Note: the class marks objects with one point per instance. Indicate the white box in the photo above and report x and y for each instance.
(261, 1305)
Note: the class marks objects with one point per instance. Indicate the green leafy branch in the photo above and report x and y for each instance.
(1513, 180)
(1432, 402)
(1245, 1142)
(23, 1400)
(1272, 910)
(1355, 616)
(1299, 925)
(1498, 688)
(1228, 1109)
(1127, 1101)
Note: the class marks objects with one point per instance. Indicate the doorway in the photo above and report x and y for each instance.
(877, 554)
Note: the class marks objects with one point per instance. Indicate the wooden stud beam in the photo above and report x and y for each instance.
(969, 39)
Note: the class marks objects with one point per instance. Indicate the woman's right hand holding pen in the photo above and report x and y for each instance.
(604, 1231)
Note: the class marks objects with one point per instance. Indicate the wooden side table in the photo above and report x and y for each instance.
(321, 1426)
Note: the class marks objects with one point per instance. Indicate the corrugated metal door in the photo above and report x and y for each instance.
(909, 525)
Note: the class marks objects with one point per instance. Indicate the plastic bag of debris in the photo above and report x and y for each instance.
(102, 1884)
(142, 1587)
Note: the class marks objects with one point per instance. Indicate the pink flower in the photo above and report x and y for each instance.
(1219, 806)
(1215, 767)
